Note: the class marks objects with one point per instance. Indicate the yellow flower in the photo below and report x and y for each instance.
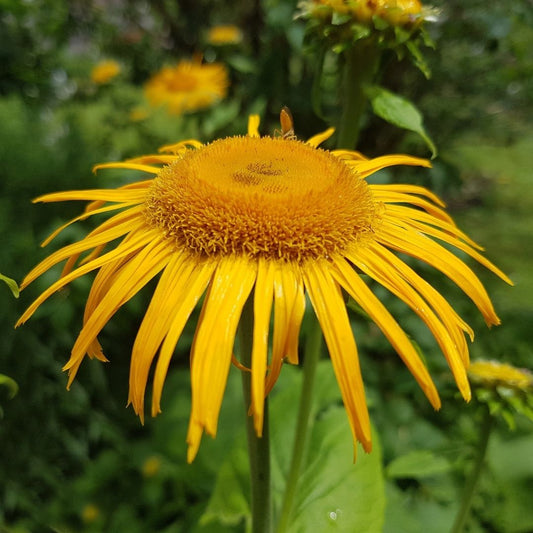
(104, 72)
(188, 86)
(395, 12)
(225, 34)
(90, 513)
(496, 374)
(271, 218)
(151, 466)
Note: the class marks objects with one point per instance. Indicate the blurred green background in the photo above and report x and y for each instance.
(81, 461)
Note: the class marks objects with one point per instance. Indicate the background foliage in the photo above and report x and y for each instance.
(80, 461)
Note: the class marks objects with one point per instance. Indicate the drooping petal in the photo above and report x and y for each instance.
(189, 289)
(454, 323)
(358, 290)
(289, 307)
(263, 295)
(131, 278)
(330, 309)
(212, 347)
(422, 247)
(457, 243)
(387, 276)
(165, 304)
(120, 251)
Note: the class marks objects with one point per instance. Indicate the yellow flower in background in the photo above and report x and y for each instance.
(224, 34)
(395, 12)
(496, 374)
(105, 71)
(271, 218)
(187, 86)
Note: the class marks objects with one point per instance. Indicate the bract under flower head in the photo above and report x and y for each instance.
(271, 219)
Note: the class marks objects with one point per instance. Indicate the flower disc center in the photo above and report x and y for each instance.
(269, 197)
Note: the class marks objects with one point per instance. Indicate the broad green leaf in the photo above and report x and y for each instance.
(333, 494)
(417, 464)
(12, 284)
(399, 111)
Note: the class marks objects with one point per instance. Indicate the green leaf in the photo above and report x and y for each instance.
(12, 284)
(399, 111)
(417, 464)
(334, 494)
(10, 383)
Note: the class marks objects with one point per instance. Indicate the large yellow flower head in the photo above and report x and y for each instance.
(188, 86)
(271, 219)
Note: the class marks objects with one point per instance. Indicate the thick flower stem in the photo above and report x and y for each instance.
(473, 478)
(258, 447)
(359, 70)
(313, 348)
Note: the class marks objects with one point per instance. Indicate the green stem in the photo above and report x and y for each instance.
(313, 348)
(258, 447)
(360, 67)
(473, 478)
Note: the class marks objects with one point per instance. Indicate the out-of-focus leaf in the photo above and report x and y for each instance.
(11, 385)
(417, 464)
(12, 284)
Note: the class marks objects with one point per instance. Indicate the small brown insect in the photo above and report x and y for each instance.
(287, 123)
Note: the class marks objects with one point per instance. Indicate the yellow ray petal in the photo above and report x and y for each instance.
(386, 276)
(358, 290)
(349, 155)
(396, 197)
(213, 342)
(409, 214)
(253, 125)
(263, 296)
(87, 243)
(455, 324)
(369, 166)
(156, 323)
(112, 255)
(190, 288)
(422, 247)
(128, 165)
(154, 158)
(131, 278)
(289, 307)
(330, 310)
(450, 239)
(106, 195)
(408, 190)
(88, 214)
(182, 146)
(319, 138)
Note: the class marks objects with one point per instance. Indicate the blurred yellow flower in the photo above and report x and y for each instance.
(395, 12)
(105, 71)
(188, 86)
(151, 466)
(270, 218)
(224, 34)
(90, 513)
(496, 374)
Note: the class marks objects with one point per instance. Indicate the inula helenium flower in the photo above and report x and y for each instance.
(273, 219)
(188, 86)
